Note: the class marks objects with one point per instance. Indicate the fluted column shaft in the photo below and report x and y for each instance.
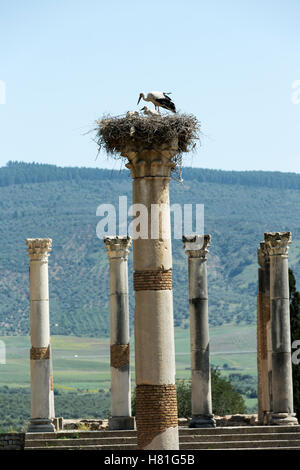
(42, 401)
(156, 401)
(196, 249)
(118, 249)
(277, 245)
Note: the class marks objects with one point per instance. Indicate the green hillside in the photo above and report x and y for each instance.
(60, 203)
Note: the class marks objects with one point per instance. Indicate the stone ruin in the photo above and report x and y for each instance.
(156, 401)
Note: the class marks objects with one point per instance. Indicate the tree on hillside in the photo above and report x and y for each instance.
(295, 335)
(225, 398)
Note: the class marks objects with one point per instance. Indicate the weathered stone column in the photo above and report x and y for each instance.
(118, 249)
(156, 401)
(277, 245)
(264, 343)
(42, 403)
(196, 248)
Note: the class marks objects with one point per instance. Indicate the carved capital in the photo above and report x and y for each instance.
(277, 243)
(145, 161)
(39, 248)
(117, 247)
(196, 246)
(262, 255)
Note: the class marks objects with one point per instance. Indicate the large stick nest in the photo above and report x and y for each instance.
(115, 134)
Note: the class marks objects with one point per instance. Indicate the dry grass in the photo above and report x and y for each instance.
(115, 134)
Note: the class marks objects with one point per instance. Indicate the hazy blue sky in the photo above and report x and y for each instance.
(231, 63)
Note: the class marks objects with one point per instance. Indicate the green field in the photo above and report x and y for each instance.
(232, 345)
(83, 363)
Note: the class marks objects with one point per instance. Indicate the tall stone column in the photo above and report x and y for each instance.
(264, 343)
(196, 248)
(118, 249)
(156, 401)
(277, 245)
(42, 403)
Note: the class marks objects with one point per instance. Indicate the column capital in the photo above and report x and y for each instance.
(117, 247)
(147, 162)
(262, 255)
(39, 248)
(196, 246)
(277, 243)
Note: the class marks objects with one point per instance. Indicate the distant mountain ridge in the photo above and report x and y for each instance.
(21, 173)
(39, 200)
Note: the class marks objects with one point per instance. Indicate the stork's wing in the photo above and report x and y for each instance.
(157, 95)
(167, 103)
(167, 97)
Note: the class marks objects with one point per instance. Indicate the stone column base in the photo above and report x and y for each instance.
(58, 423)
(202, 421)
(267, 417)
(41, 425)
(283, 419)
(121, 423)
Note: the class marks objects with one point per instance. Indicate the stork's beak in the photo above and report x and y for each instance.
(139, 99)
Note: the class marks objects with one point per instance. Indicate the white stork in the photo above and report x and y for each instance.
(159, 98)
(150, 112)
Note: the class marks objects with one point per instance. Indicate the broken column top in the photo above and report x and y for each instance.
(262, 255)
(196, 246)
(277, 243)
(39, 248)
(117, 247)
